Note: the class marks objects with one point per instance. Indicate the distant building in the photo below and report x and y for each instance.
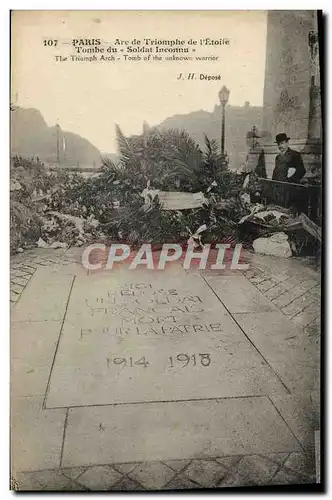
(239, 119)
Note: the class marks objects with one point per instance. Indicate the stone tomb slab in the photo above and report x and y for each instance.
(181, 430)
(140, 336)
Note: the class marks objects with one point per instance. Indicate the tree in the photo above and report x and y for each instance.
(167, 159)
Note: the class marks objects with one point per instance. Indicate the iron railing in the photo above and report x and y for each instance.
(302, 198)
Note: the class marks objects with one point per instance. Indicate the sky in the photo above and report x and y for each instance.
(88, 98)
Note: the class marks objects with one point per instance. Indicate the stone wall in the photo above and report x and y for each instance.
(291, 79)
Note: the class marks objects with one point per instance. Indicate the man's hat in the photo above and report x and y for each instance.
(281, 137)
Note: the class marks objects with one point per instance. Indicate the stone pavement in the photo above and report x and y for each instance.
(24, 265)
(162, 380)
(228, 471)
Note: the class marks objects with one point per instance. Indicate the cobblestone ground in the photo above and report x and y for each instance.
(231, 471)
(294, 287)
(24, 265)
(295, 290)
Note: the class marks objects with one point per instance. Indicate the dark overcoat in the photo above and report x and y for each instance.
(290, 159)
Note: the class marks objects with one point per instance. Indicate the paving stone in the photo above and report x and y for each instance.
(180, 482)
(285, 298)
(296, 280)
(46, 297)
(19, 281)
(309, 282)
(13, 484)
(39, 262)
(214, 272)
(229, 462)
(314, 328)
(24, 274)
(300, 415)
(316, 292)
(239, 295)
(307, 316)
(301, 463)
(14, 296)
(127, 484)
(255, 469)
(291, 353)
(26, 481)
(99, 478)
(250, 470)
(28, 268)
(177, 465)
(36, 435)
(298, 305)
(266, 285)
(280, 275)
(207, 473)
(152, 475)
(14, 264)
(258, 278)
(192, 428)
(277, 290)
(283, 269)
(125, 468)
(34, 342)
(53, 480)
(250, 273)
(233, 480)
(31, 253)
(73, 472)
(32, 350)
(289, 477)
(278, 458)
(48, 262)
(20, 273)
(313, 282)
(28, 380)
(16, 288)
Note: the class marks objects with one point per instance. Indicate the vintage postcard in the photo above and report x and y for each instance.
(166, 229)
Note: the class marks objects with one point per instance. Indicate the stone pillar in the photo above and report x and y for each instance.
(292, 86)
(313, 146)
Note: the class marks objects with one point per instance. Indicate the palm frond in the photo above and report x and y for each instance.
(125, 146)
(111, 171)
(211, 153)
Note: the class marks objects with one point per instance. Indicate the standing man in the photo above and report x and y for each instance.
(288, 163)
